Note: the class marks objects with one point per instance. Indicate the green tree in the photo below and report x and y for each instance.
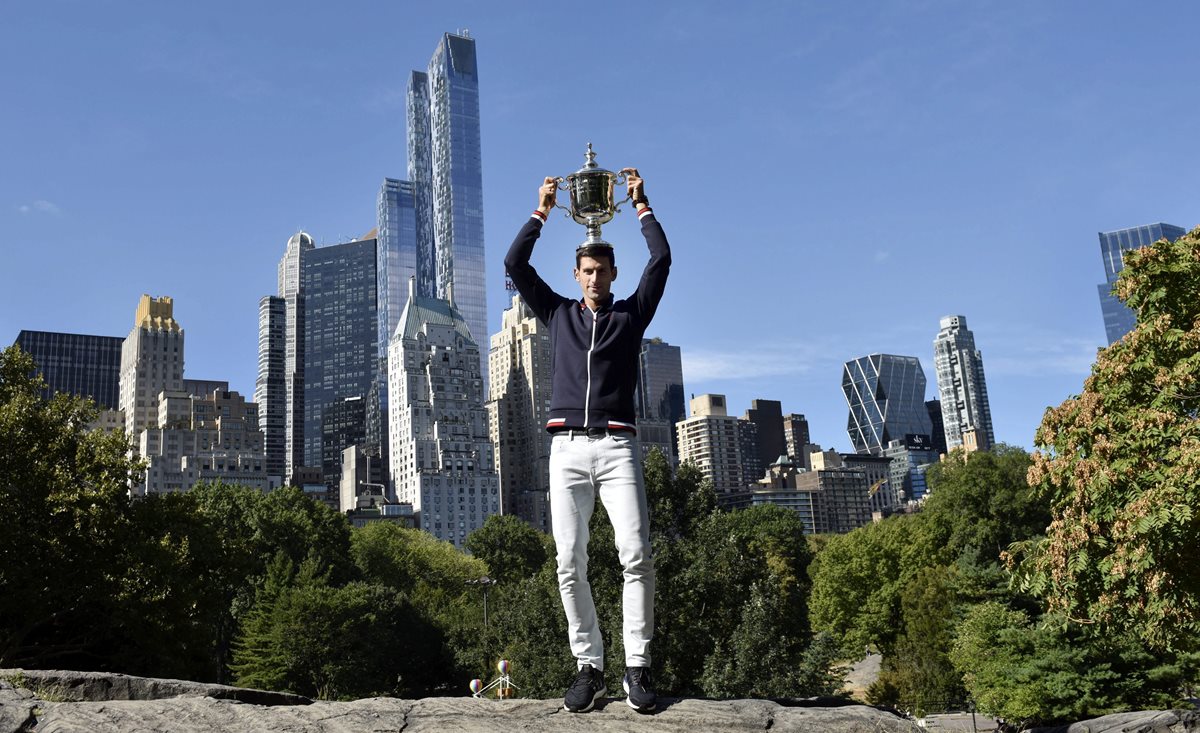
(357, 640)
(1119, 465)
(857, 580)
(511, 548)
(65, 512)
(434, 576)
(1039, 674)
(918, 675)
(980, 503)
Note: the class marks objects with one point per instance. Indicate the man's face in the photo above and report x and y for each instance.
(595, 277)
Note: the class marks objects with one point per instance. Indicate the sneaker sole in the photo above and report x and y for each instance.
(629, 701)
(590, 705)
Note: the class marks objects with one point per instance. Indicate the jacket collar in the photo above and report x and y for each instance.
(604, 308)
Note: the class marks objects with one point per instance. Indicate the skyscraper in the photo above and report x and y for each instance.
(961, 385)
(270, 388)
(1119, 320)
(318, 346)
(151, 362)
(445, 166)
(441, 456)
(396, 258)
(768, 416)
(77, 364)
(659, 396)
(290, 289)
(886, 397)
(341, 330)
(518, 403)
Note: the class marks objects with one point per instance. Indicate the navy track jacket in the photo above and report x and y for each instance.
(595, 355)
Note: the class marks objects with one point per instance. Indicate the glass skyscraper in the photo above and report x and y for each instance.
(886, 396)
(444, 149)
(341, 354)
(396, 259)
(78, 364)
(1119, 320)
(658, 397)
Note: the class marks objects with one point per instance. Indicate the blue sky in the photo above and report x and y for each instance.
(833, 177)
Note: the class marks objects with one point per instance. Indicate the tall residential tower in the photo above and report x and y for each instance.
(961, 385)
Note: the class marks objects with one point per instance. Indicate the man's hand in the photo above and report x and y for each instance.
(634, 186)
(548, 195)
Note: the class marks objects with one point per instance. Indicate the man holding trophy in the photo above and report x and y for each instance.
(596, 341)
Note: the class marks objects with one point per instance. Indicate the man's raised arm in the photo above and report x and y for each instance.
(539, 296)
(654, 277)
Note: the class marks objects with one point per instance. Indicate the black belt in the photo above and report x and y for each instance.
(593, 432)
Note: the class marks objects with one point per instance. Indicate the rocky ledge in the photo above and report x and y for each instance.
(45, 701)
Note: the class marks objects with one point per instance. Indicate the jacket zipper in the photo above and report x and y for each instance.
(587, 395)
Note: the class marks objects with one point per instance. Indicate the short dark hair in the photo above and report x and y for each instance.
(595, 251)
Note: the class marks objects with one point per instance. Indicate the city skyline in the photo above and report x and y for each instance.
(976, 139)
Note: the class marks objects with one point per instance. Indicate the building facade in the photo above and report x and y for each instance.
(211, 438)
(886, 397)
(909, 458)
(1119, 320)
(962, 387)
(934, 409)
(710, 440)
(270, 387)
(441, 456)
(77, 364)
(340, 349)
(151, 363)
(518, 405)
(795, 436)
(659, 396)
(290, 290)
(767, 415)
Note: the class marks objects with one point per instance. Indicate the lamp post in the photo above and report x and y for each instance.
(486, 583)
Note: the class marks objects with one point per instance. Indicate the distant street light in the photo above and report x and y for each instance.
(486, 583)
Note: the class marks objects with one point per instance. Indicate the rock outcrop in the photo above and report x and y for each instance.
(1143, 721)
(70, 702)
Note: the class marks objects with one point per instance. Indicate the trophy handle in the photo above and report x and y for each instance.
(621, 178)
(563, 186)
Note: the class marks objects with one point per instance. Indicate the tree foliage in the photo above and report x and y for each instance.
(918, 676)
(1038, 674)
(66, 516)
(980, 503)
(511, 548)
(1120, 466)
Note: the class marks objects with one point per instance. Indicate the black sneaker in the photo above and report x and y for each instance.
(640, 689)
(585, 690)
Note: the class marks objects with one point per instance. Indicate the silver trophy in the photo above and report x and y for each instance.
(591, 189)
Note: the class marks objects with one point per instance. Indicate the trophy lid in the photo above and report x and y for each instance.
(589, 166)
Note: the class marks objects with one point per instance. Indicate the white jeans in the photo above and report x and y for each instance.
(579, 466)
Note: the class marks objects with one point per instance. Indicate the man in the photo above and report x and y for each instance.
(596, 341)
